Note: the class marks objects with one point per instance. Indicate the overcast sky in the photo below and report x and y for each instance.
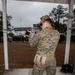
(27, 13)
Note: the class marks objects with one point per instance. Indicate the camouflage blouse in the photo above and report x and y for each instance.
(45, 44)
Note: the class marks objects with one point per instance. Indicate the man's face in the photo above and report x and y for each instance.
(45, 24)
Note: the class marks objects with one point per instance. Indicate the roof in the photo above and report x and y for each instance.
(49, 1)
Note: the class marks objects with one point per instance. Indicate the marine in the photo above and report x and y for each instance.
(46, 41)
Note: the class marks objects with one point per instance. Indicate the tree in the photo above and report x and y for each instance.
(11, 34)
(58, 15)
(1, 33)
(1, 24)
(73, 30)
(73, 23)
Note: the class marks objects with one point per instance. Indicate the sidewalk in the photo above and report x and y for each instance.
(28, 72)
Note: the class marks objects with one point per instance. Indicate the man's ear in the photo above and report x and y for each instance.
(45, 24)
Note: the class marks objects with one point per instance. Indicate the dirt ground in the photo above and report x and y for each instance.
(21, 55)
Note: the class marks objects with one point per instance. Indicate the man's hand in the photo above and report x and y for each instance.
(32, 32)
(29, 31)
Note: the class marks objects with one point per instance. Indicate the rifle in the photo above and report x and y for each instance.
(26, 28)
(36, 27)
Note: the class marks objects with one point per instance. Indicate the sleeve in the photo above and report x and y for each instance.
(56, 38)
(33, 39)
(54, 41)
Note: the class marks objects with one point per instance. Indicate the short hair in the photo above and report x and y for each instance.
(44, 17)
(49, 20)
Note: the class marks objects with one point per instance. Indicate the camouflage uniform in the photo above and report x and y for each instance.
(49, 44)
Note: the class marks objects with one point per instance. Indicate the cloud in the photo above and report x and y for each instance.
(0, 5)
(28, 12)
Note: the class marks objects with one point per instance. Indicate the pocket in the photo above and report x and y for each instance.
(43, 61)
(39, 60)
(35, 59)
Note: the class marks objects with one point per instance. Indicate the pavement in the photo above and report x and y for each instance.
(28, 71)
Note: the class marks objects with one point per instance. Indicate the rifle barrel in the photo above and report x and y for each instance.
(25, 28)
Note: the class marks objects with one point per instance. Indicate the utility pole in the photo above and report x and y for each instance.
(20, 26)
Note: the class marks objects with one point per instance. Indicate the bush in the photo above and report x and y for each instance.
(73, 38)
(26, 38)
(1, 39)
(62, 38)
(20, 38)
(16, 38)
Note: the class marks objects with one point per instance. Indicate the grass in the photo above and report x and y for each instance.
(21, 55)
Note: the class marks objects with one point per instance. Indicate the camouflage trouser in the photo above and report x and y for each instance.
(49, 67)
